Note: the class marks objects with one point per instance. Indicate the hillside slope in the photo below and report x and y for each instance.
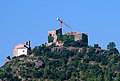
(63, 64)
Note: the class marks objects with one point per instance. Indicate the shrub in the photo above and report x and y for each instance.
(50, 39)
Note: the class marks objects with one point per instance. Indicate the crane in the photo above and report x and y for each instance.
(62, 22)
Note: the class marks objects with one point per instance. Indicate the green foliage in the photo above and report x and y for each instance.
(17, 60)
(65, 37)
(111, 45)
(29, 64)
(69, 41)
(29, 52)
(37, 74)
(50, 39)
(8, 69)
(97, 46)
(9, 57)
(72, 43)
(63, 65)
(22, 56)
(112, 48)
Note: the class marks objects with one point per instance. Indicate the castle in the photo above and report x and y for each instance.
(56, 37)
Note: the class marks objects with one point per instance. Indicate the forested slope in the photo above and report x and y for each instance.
(90, 64)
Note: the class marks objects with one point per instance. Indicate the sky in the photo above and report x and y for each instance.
(22, 20)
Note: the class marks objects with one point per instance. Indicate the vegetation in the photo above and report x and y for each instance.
(69, 41)
(44, 63)
(65, 37)
(50, 39)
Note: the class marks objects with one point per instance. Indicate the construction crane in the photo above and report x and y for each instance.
(62, 22)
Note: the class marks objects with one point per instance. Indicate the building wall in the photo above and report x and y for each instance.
(74, 33)
(19, 51)
(59, 31)
(52, 33)
(78, 37)
(15, 52)
(22, 51)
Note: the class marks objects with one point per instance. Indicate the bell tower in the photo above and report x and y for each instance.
(28, 43)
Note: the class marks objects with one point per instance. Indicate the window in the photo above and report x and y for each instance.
(50, 35)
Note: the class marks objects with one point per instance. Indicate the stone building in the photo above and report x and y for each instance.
(21, 49)
(53, 34)
(79, 36)
(53, 37)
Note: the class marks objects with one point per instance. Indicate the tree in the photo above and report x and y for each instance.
(117, 77)
(99, 78)
(37, 74)
(112, 48)
(111, 45)
(9, 57)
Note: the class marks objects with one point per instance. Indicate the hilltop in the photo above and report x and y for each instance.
(64, 57)
(67, 63)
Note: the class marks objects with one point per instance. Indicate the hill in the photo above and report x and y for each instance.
(67, 63)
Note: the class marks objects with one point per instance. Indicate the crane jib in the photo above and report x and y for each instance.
(62, 22)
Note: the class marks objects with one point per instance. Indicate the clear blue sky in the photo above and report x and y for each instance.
(22, 20)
